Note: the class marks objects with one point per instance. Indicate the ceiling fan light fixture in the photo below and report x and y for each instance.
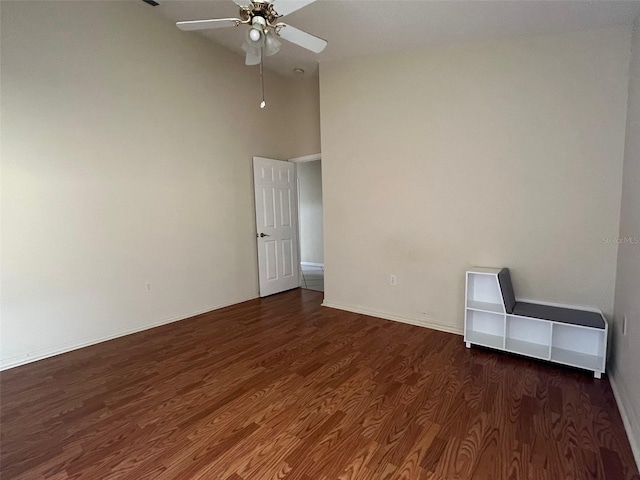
(254, 34)
(254, 48)
(271, 44)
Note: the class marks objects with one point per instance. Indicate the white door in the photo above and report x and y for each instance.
(276, 199)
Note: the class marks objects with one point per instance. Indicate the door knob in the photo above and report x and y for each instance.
(263, 235)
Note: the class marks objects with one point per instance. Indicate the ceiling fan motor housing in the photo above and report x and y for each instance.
(259, 10)
(258, 20)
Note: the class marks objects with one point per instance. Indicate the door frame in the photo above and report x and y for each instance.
(307, 158)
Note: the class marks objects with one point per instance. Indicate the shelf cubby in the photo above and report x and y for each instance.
(528, 336)
(484, 328)
(483, 291)
(578, 346)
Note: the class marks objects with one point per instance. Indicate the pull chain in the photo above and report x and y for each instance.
(263, 103)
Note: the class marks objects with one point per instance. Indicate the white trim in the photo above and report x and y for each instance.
(420, 322)
(485, 270)
(307, 158)
(628, 418)
(30, 357)
(311, 264)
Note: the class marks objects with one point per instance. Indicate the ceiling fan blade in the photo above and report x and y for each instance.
(253, 57)
(207, 24)
(242, 3)
(304, 39)
(285, 7)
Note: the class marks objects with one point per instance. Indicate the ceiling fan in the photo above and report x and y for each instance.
(262, 37)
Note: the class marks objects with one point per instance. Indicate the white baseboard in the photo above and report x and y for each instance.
(311, 264)
(420, 322)
(627, 415)
(30, 357)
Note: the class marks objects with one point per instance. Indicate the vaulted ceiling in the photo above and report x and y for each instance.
(362, 27)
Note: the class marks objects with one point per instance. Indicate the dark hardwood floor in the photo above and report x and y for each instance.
(281, 388)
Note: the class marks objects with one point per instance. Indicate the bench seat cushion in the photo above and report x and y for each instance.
(559, 314)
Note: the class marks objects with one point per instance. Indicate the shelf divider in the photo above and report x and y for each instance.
(485, 306)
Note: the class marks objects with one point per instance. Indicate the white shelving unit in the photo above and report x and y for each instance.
(488, 324)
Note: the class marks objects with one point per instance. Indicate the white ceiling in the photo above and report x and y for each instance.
(362, 27)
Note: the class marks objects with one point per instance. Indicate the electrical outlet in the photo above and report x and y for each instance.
(624, 325)
(148, 287)
(393, 280)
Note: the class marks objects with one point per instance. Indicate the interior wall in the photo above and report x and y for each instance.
(310, 212)
(303, 93)
(125, 162)
(626, 348)
(507, 153)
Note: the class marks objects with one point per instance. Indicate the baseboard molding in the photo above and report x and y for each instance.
(311, 264)
(30, 357)
(626, 414)
(420, 322)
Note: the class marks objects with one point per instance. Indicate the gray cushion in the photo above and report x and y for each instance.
(509, 298)
(559, 314)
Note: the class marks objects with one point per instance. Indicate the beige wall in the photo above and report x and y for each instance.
(311, 231)
(126, 159)
(626, 349)
(303, 94)
(502, 153)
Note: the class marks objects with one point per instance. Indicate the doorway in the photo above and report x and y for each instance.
(310, 214)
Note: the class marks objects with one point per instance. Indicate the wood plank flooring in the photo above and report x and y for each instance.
(281, 388)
